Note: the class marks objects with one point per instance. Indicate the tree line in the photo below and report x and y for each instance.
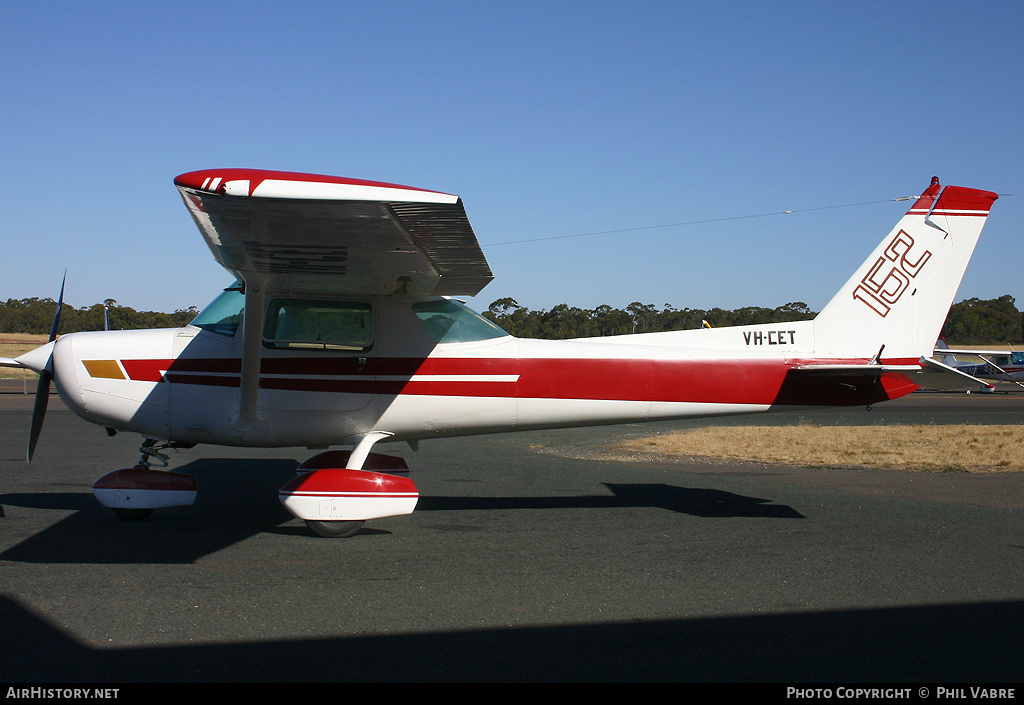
(35, 316)
(564, 321)
(984, 322)
(970, 322)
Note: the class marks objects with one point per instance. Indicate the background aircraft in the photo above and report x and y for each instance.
(341, 330)
(994, 365)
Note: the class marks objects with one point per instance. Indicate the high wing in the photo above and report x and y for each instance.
(306, 232)
(309, 233)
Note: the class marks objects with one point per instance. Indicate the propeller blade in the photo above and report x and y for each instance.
(45, 377)
(39, 411)
(60, 305)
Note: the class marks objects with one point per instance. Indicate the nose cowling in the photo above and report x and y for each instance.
(90, 376)
(65, 372)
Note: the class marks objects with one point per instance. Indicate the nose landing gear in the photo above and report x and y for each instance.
(133, 493)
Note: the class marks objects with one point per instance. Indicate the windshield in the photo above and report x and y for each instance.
(224, 314)
(448, 321)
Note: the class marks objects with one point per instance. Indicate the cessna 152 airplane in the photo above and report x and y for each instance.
(340, 330)
(995, 365)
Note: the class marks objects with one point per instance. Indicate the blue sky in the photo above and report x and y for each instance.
(550, 119)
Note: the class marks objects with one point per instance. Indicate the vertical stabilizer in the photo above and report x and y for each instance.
(896, 302)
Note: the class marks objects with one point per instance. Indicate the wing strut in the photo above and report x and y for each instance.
(248, 417)
(1000, 370)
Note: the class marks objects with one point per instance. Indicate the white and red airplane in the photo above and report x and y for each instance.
(340, 331)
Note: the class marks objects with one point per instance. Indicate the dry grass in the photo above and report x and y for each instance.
(15, 344)
(960, 448)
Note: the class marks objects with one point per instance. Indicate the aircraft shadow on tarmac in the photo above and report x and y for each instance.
(913, 645)
(236, 503)
(695, 502)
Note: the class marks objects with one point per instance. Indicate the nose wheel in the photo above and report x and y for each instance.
(133, 493)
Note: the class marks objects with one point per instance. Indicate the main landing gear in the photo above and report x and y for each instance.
(334, 492)
(336, 500)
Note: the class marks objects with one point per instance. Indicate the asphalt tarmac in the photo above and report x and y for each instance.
(532, 557)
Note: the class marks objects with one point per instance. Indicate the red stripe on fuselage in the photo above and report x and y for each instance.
(697, 381)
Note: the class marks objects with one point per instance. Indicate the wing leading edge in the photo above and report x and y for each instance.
(323, 233)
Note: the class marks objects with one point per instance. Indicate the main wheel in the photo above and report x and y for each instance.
(335, 529)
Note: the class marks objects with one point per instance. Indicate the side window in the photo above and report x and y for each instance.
(318, 325)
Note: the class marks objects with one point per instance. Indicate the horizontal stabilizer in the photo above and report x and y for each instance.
(845, 385)
(868, 379)
(841, 369)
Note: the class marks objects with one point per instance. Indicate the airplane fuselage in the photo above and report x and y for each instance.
(408, 380)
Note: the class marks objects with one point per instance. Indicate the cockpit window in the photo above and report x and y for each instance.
(224, 314)
(448, 321)
(318, 324)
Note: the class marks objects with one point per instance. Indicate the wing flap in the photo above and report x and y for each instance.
(337, 235)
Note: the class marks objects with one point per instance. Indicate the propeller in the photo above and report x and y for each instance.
(45, 378)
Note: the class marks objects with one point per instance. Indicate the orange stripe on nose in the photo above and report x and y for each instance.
(107, 369)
